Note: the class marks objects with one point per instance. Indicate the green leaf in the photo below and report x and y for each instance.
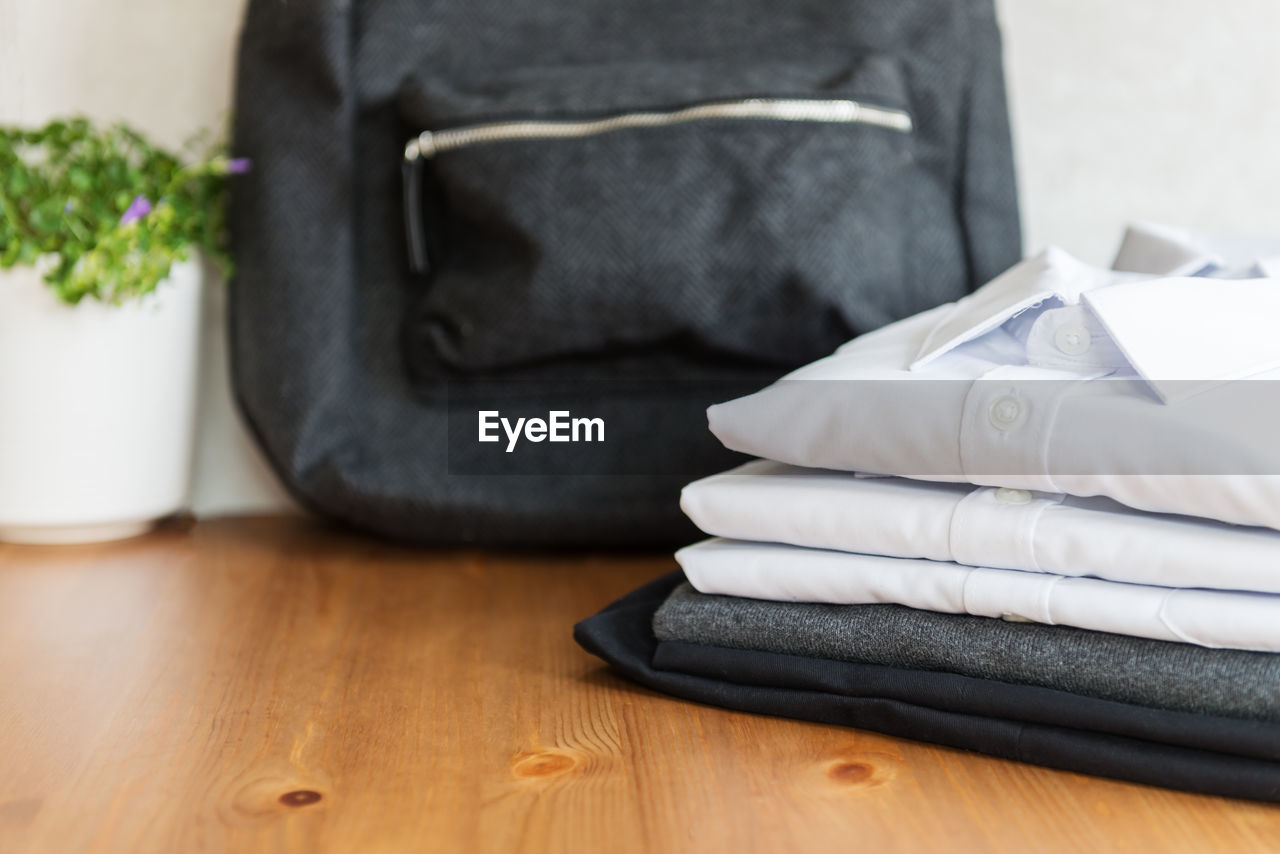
(80, 178)
(63, 188)
(19, 183)
(46, 217)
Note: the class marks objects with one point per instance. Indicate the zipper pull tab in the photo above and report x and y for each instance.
(414, 221)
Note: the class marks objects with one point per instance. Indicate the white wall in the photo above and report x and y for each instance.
(1153, 109)
(166, 67)
(1143, 109)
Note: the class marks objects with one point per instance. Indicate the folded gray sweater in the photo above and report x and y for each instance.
(1160, 674)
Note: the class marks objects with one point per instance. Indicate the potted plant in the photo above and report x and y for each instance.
(101, 234)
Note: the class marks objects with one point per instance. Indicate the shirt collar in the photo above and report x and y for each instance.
(1165, 250)
(1180, 333)
(1053, 274)
(1187, 335)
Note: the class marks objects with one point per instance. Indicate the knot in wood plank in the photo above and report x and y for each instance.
(300, 798)
(542, 764)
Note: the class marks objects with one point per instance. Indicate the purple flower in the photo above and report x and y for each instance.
(66, 209)
(239, 165)
(138, 208)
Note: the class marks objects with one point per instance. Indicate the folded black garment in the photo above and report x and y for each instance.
(1177, 676)
(1042, 726)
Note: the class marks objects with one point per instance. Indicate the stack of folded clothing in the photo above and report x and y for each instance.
(1040, 522)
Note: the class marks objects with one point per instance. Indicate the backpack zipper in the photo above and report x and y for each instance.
(828, 110)
(429, 144)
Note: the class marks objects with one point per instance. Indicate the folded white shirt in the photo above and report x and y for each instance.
(981, 526)
(1212, 618)
(1060, 377)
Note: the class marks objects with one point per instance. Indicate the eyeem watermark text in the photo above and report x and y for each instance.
(558, 426)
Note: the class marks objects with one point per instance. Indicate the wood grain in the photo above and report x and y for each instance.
(269, 685)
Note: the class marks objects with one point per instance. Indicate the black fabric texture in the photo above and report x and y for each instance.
(1197, 753)
(1165, 675)
(750, 240)
(718, 253)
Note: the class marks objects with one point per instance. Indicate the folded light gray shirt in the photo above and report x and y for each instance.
(1159, 674)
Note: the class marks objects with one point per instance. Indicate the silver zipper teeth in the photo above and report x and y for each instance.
(431, 143)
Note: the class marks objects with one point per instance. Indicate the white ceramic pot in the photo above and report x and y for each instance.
(97, 409)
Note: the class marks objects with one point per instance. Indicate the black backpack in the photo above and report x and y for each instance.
(599, 217)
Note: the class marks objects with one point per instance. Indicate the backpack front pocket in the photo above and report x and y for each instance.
(760, 229)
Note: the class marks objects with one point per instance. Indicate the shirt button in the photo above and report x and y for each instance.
(1008, 495)
(1072, 339)
(1005, 413)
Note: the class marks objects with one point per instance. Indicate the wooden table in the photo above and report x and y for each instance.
(269, 685)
